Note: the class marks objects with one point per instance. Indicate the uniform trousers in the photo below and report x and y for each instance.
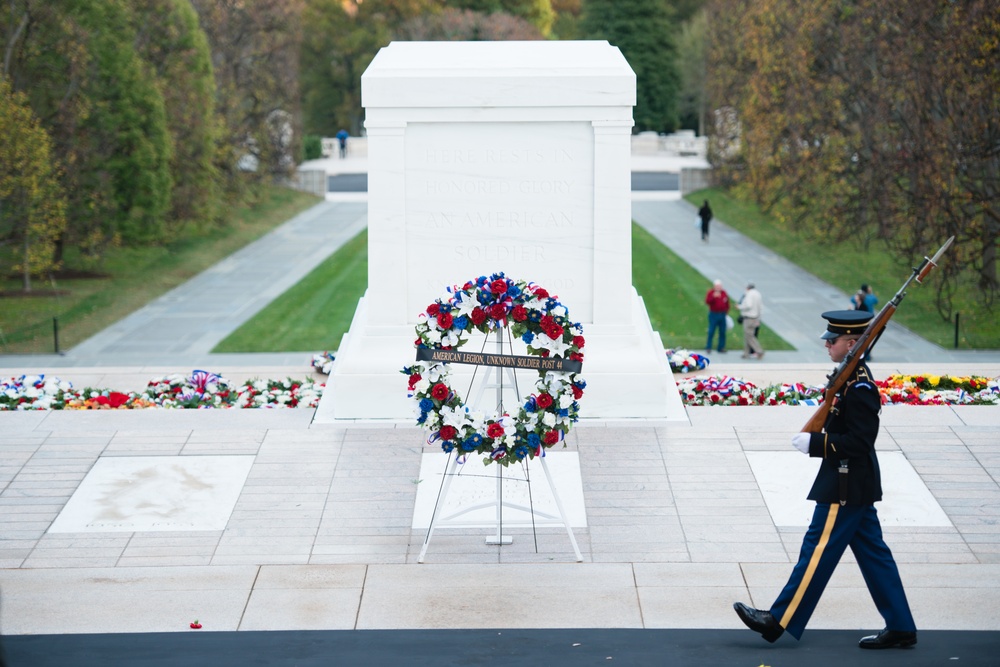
(833, 529)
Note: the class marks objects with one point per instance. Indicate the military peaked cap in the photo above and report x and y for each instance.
(845, 323)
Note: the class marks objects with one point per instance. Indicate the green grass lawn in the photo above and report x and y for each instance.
(848, 265)
(129, 278)
(314, 314)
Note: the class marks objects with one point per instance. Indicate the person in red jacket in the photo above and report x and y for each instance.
(718, 306)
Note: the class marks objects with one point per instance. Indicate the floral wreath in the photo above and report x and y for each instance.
(538, 319)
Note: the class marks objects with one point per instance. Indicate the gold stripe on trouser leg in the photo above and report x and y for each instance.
(817, 554)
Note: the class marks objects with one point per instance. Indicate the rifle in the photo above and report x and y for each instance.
(866, 342)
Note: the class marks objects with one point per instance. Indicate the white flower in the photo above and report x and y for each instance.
(549, 419)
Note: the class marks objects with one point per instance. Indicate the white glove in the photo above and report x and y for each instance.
(801, 442)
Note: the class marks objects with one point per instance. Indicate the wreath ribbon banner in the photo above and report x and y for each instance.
(503, 360)
(555, 345)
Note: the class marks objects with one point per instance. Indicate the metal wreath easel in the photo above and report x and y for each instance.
(454, 460)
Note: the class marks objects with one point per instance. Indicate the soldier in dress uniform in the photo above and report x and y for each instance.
(846, 489)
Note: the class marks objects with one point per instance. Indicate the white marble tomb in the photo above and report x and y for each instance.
(500, 156)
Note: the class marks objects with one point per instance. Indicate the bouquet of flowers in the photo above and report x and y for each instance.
(685, 361)
(323, 362)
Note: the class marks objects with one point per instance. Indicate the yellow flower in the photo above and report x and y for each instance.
(934, 380)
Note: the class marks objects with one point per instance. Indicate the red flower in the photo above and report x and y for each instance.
(579, 341)
(547, 323)
(116, 399)
(551, 438)
(414, 379)
(577, 392)
(544, 401)
(576, 356)
(433, 309)
(498, 311)
(498, 286)
(541, 293)
(478, 316)
(444, 320)
(448, 432)
(494, 430)
(743, 401)
(440, 391)
(519, 313)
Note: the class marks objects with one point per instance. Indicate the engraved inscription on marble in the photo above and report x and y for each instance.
(512, 197)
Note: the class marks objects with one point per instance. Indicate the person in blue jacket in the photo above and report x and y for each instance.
(846, 489)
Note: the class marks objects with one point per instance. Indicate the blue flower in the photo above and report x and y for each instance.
(460, 322)
(528, 337)
(447, 446)
(472, 442)
(564, 412)
(514, 291)
(534, 441)
(521, 451)
(422, 418)
(535, 316)
(530, 405)
(426, 404)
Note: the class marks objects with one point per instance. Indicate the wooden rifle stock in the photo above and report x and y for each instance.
(866, 342)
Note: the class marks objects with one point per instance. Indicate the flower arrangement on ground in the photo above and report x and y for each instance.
(939, 390)
(324, 362)
(894, 390)
(200, 390)
(533, 316)
(685, 361)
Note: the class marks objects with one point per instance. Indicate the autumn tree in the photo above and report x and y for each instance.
(467, 25)
(869, 122)
(538, 13)
(32, 209)
(255, 57)
(643, 30)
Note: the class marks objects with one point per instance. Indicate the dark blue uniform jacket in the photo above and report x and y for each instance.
(850, 434)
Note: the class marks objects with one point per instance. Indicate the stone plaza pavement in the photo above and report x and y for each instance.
(681, 518)
(320, 534)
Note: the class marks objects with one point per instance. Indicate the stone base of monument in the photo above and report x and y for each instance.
(626, 369)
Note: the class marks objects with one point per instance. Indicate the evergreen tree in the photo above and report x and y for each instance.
(96, 98)
(642, 29)
(170, 40)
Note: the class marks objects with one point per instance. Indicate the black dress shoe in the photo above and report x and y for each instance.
(759, 621)
(889, 639)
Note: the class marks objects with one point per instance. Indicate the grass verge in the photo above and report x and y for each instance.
(315, 314)
(848, 265)
(130, 278)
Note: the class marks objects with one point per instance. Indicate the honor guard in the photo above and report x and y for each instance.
(846, 489)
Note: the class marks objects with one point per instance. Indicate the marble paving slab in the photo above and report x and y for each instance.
(155, 493)
(474, 485)
(786, 477)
